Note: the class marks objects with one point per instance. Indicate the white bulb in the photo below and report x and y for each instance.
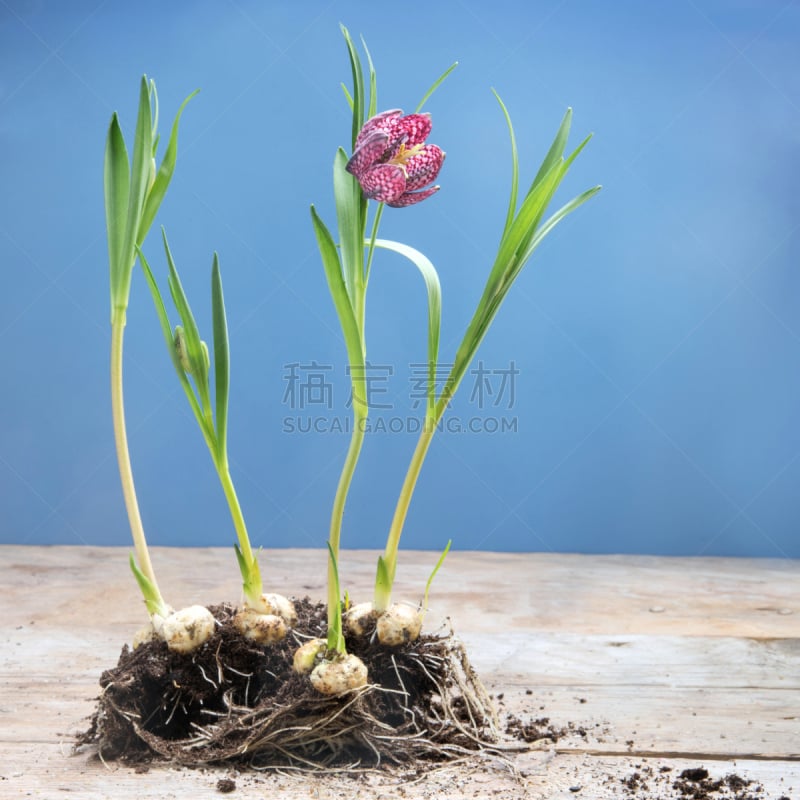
(400, 624)
(344, 674)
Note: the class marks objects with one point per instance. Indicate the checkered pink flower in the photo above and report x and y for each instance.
(391, 160)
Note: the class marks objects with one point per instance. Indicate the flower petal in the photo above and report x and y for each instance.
(380, 122)
(368, 153)
(384, 183)
(414, 127)
(424, 167)
(409, 198)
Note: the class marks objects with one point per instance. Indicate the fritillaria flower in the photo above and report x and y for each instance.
(391, 160)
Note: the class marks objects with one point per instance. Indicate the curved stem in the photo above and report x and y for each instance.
(156, 604)
(248, 563)
(337, 514)
(383, 595)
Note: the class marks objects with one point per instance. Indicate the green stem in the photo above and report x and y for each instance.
(383, 595)
(251, 574)
(337, 514)
(156, 604)
(375, 223)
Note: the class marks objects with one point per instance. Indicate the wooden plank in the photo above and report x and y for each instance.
(48, 772)
(482, 591)
(677, 661)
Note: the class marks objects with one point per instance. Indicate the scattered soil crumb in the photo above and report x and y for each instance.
(694, 783)
(226, 785)
(539, 729)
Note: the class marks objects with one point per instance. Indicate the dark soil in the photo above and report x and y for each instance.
(690, 784)
(236, 701)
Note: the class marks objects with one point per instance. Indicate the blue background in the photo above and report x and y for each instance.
(656, 332)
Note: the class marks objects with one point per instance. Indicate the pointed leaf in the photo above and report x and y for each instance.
(433, 575)
(164, 174)
(139, 179)
(552, 221)
(194, 346)
(358, 85)
(372, 106)
(436, 84)
(556, 151)
(338, 290)
(221, 359)
(116, 188)
(347, 194)
(166, 330)
(152, 599)
(335, 633)
(347, 96)
(512, 200)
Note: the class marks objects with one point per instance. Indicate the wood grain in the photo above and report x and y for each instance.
(662, 662)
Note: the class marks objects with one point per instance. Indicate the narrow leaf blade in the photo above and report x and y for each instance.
(139, 178)
(556, 151)
(436, 84)
(358, 85)
(512, 200)
(166, 330)
(559, 215)
(164, 174)
(335, 632)
(194, 346)
(152, 600)
(433, 575)
(372, 106)
(221, 358)
(347, 194)
(338, 290)
(116, 188)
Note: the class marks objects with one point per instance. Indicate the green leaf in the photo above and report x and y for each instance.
(152, 599)
(512, 201)
(372, 108)
(338, 290)
(358, 85)
(221, 360)
(530, 212)
(517, 244)
(347, 194)
(433, 575)
(166, 330)
(433, 287)
(154, 104)
(195, 351)
(164, 174)
(335, 632)
(552, 221)
(436, 84)
(116, 188)
(139, 179)
(556, 151)
(347, 96)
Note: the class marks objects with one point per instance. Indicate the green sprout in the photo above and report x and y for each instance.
(190, 357)
(347, 273)
(523, 232)
(347, 269)
(133, 193)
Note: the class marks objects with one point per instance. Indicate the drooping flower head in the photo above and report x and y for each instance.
(391, 160)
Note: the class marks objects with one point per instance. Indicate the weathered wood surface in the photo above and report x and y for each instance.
(655, 662)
